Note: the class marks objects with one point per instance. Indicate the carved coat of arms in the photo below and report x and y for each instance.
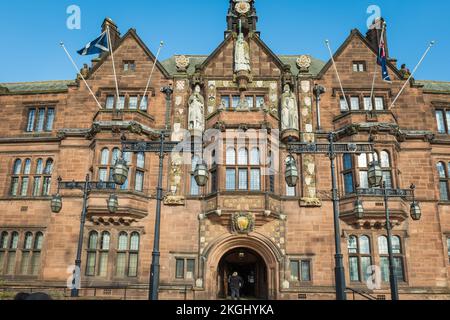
(243, 223)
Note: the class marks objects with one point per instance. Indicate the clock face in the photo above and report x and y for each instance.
(242, 7)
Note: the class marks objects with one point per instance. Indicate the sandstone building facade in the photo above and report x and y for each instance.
(285, 248)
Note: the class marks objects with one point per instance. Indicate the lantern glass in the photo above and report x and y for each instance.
(56, 204)
(291, 174)
(120, 174)
(359, 209)
(201, 174)
(416, 211)
(375, 175)
(113, 203)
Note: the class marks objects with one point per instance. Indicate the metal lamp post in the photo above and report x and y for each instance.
(376, 180)
(331, 149)
(160, 147)
(56, 205)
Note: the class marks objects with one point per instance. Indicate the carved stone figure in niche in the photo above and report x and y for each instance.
(196, 110)
(242, 55)
(289, 110)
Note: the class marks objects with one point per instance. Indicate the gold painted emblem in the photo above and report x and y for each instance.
(243, 223)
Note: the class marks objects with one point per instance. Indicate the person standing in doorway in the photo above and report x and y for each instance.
(235, 282)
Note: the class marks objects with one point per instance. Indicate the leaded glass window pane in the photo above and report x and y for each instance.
(31, 120)
(255, 179)
(50, 119)
(440, 121)
(41, 120)
(231, 179)
(243, 179)
(354, 268)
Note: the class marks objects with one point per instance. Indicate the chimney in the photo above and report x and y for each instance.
(113, 31)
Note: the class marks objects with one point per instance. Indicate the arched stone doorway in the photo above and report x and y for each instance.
(263, 256)
(251, 268)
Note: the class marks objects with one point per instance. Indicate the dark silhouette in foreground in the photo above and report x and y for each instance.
(39, 296)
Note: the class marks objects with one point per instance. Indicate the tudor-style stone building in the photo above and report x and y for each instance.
(246, 219)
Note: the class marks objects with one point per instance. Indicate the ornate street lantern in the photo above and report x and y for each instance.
(201, 174)
(56, 203)
(113, 203)
(120, 174)
(291, 172)
(416, 212)
(359, 209)
(375, 175)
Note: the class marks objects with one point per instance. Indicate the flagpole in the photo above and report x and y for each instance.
(337, 73)
(376, 63)
(161, 44)
(79, 73)
(412, 74)
(113, 63)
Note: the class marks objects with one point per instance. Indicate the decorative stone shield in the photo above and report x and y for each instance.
(243, 223)
(182, 62)
(304, 62)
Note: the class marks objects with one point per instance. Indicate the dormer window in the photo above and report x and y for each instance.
(359, 66)
(129, 65)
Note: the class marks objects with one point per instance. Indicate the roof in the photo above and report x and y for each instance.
(435, 86)
(37, 87)
(170, 65)
(316, 64)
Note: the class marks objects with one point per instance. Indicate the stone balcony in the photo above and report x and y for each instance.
(374, 211)
(263, 205)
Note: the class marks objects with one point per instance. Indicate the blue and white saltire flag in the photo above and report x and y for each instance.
(382, 61)
(97, 46)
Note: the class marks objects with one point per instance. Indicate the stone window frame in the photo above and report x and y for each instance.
(127, 95)
(239, 166)
(359, 255)
(445, 111)
(112, 253)
(400, 254)
(362, 95)
(44, 174)
(131, 158)
(254, 94)
(358, 64)
(31, 125)
(20, 250)
(357, 169)
(375, 252)
(299, 260)
(444, 179)
(185, 258)
(129, 65)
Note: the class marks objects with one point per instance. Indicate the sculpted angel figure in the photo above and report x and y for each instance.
(196, 110)
(242, 55)
(289, 110)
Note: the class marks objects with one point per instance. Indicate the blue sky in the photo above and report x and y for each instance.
(32, 30)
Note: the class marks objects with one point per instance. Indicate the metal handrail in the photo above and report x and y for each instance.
(363, 294)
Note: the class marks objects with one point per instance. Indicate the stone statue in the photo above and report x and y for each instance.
(196, 110)
(289, 110)
(242, 55)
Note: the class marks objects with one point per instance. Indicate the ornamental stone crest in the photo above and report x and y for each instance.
(243, 223)
(182, 62)
(304, 63)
